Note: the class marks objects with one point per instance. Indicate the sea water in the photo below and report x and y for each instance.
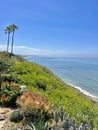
(81, 73)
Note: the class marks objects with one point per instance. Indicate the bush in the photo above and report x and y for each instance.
(41, 85)
(11, 78)
(39, 124)
(16, 116)
(9, 93)
(34, 105)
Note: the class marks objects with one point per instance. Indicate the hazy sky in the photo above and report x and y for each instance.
(51, 27)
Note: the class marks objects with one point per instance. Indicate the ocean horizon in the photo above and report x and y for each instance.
(79, 72)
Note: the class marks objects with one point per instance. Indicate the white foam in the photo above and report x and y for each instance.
(83, 91)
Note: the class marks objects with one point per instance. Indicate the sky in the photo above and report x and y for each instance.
(51, 27)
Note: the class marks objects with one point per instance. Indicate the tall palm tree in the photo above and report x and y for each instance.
(8, 31)
(13, 28)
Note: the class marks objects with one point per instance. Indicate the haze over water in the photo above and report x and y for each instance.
(82, 73)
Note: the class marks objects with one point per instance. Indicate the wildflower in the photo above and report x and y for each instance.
(3, 97)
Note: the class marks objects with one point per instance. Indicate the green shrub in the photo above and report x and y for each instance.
(9, 94)
(11, 78)
(41, 85)
(39, 124)
(16, 116)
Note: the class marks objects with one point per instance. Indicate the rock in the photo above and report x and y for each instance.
(2, 117)
(2, 125)
(3, 110)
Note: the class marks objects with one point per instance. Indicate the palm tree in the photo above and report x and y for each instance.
(13, 28)
(8, 31)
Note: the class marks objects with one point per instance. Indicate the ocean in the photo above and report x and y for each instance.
(81, 73)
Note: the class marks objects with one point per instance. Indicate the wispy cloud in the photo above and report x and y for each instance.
(24, 47)
(2, 47)
(24, 50)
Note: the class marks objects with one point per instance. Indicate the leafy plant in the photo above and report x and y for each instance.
(4, 68)
(16, 116)
(38, 124)
(9, 93)
(30, 127)
(11, 78)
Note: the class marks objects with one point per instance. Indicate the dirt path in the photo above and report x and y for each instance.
(4, 117)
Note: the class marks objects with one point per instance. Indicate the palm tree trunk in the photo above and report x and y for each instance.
(12, 43)
(8, 42)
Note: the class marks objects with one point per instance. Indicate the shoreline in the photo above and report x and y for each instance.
(79, 89)
(84, 92)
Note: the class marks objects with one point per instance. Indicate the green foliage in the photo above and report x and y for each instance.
(11, 78)
(62, 122)
(16, 116)
(38, 124)
(30, 126)
(9, 93)
(73, 101)
(4, 66)
(41, 85)
(6, 57)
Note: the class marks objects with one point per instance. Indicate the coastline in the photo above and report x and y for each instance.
(84, 92)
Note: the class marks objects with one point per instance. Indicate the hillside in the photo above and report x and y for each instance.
(40, 79)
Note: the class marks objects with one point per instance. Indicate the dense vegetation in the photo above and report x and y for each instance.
(41, 80)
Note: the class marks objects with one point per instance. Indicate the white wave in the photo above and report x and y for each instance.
(83, 91)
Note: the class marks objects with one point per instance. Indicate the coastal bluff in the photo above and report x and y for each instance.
(41, 80)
